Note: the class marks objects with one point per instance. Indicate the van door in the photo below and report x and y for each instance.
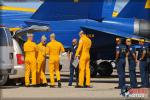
(6, 51)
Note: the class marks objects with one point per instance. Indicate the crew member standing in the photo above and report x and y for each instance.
(71, 57)
(143, 64)
(41, 59)
(121, 61)
(30, 60)
(83, 52)
(131, 55)
(54, 49)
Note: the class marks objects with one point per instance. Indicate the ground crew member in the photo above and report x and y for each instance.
(30, 60)
(120, 61)
(143, 64)
(131, 55)
(83, 51)
(41, 59)
(54, 49)
(71, 57)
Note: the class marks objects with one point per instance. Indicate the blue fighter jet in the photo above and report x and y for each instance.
(101, 20)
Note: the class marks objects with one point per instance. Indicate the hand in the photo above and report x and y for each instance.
(116, 60)
(76, 57)
(136, 61)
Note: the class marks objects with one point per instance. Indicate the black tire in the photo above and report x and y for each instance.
(93, 69)
(105, 68)
(113, 64)
(3, 79)
(60, 67)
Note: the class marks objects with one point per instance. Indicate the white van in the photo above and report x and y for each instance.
(6, 55)
(18, 61)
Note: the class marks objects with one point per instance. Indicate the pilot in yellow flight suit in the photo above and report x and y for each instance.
(84, 62)
(54, 49)
(41, 59)
(30, 61)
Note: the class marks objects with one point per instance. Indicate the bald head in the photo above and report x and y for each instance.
(52, 36)
(81, 33)
(30, 36)
(74, 42)
(43, 39)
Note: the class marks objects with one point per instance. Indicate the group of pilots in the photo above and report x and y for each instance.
(127, 52)
(35, 60)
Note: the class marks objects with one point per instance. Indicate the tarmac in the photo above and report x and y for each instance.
(102, 88)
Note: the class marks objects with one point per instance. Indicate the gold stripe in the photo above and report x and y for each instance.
(17, 9)
(14, 29)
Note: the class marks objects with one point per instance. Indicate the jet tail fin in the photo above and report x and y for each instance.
(53, 10)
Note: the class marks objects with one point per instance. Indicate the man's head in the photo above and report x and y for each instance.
(43, 39)
(141, 41)
(74, 42)
(118, 40)
(128, 42)
(30, 36)
(52, 36)
(81, 33)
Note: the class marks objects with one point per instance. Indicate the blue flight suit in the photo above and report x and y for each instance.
(132, 66)
(143, 64)
(72, 68)
(121, 64)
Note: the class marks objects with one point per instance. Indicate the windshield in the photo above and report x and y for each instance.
(4, 37)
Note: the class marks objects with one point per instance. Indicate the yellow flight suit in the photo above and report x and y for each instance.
(30, 62)
(41, 58)
(84, 63)
(54, 48)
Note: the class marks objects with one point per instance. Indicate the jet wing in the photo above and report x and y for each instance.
(109, 32)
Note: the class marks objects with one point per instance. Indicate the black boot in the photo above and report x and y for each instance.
(27, 86)
(35, 86)
(78, 86)
(52, 86)
(59, 84)
(44, 85)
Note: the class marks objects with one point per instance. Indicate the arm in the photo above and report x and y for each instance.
(143, 53)
(117, 53)
(79, 48)
(69, 55)
(47, 49)
(35, 49)
(134, 54)
(62, 49)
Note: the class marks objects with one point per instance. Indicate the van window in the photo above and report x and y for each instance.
(3, 39)
(9, 37)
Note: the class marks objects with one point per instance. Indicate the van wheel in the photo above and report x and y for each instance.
(3, 79)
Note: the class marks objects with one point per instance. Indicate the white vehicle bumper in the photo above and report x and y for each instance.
(20, 71)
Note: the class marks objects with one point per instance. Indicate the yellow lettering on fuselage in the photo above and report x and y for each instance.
(90, 35)
(147, 5)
